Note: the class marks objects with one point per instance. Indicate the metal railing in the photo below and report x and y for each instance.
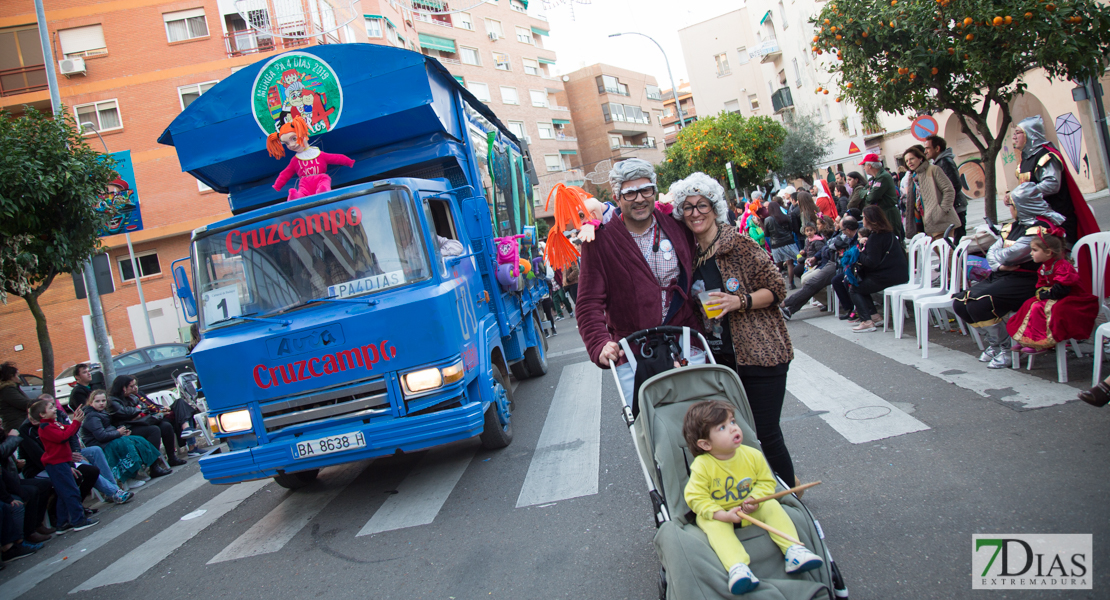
(565, 138)
(240, 43)
(18, 81)
(559, 108)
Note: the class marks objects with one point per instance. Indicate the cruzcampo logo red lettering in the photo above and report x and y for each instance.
(332, 221)
(302, 370)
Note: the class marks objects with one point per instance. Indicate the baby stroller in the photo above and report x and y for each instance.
(689, 567)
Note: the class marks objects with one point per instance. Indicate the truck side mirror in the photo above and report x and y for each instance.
(183, 290)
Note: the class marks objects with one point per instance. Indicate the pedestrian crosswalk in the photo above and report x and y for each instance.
(564, 464)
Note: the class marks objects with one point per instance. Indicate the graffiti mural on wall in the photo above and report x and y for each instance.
(973, 178)
(1070, 133)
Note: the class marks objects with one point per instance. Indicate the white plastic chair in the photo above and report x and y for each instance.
(940, 250)
(892, 294)
(957, 282)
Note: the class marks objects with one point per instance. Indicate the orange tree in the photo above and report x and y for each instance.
(750, 144)
(967, 56)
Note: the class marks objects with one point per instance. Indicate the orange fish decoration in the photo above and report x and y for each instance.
(570, 208)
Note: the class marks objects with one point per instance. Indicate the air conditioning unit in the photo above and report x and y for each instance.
(528, 139)
(72, 66)
(493, 37)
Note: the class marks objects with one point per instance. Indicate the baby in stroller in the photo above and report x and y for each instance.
(725, 478)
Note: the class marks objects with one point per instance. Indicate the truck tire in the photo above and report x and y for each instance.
(495, 435)
(520, 370)
(535, 358)
(294, 481)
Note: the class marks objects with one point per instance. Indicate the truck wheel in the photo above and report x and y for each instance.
(497, 431)
(294, 481)
(535, 358)
(520, 370)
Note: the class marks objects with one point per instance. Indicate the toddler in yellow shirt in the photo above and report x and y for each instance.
(724, 478)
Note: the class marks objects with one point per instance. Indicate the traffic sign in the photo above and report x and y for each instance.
(923, 127)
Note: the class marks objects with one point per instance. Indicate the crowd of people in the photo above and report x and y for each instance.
(53, 455)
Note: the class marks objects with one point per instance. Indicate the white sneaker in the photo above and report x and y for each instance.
(135, 483)
(988, 354)
(741, 580)
(1001, 360)
(799, 559)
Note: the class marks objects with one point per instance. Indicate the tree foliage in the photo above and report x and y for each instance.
(49, 183)
(967, 56)
(751, 144)
(805, 145)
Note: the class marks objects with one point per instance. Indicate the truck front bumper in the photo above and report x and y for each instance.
(383, 437)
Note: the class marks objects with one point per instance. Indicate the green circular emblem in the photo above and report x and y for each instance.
(297, 84)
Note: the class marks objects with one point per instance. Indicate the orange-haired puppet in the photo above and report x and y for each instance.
(573, 206)
(309, 163)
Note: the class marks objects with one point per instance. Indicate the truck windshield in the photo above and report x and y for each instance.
(348, 248)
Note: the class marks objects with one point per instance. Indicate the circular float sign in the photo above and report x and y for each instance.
(923, 127)
(297, 84)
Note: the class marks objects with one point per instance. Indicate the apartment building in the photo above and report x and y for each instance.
(497, 51)
(128, 69)
(673, 122)
(618, 114)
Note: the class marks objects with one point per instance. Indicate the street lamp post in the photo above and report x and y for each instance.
(674, 88)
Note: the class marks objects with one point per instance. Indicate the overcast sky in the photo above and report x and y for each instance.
(585, 40)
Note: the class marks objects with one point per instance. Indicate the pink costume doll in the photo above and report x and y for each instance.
(309, 163)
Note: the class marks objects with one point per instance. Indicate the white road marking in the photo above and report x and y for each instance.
(957, 367)
(153, 551)
(567, 458)
(855, 413)
(424, 490)
(565, 352)
(281, 524)
(100, 535)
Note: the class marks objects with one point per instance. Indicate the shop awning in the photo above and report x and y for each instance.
(432, 42)
(546, 61)
(568, 152)
(560, 121)
(459, 79)
(538, 31)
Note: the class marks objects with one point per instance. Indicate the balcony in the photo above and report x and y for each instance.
(559, 108)
(565, 138)
(781, 100)
(240, 43)
(768, 50)
(23, 80)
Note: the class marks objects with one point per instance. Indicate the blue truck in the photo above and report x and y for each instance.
(336, 326)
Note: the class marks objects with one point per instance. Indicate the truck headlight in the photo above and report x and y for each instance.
(232, 422)
(432, 378)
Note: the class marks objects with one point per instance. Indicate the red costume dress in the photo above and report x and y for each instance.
(1067, 311)
(312, 168)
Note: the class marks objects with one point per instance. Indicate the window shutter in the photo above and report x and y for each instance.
(81, 39)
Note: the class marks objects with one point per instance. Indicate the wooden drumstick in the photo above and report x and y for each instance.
(766, 527)
(804, 486)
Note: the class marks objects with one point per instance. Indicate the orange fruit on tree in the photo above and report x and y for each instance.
(816, 38)
(1028, 16)
(1050, 7)
(864, 34)
(951, 50)
(913, 76)
(825, 92)
(838, 37)
(838, 98)
(827, 21)
(970, 37)
(849, 86)
(818, 90)
(1008, 20)
(935, 70)
(968, 21)
(998, 21)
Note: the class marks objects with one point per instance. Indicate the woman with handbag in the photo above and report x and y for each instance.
(881, 264)
(142, 416)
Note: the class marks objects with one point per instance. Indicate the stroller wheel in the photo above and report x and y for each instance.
(662, 583)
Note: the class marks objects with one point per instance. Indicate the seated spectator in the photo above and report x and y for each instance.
(82, 386)
(57, 459)
(13, 402)
(127, 454)
(27, 499)
(882, 263)
(827, 269)
(807, 257)
(143, 417)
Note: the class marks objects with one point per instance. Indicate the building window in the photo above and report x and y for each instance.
(517, 6)
(517, 127)
(374, 28)
(469, 56)
(464, 21)
(610, 85)
(722, 65)
(828, 115)
(668, 111)
(668, 130)
(524, 36)
(554, 162)
(732, 106)
(480, 90)
(188, 93)
(508, 95)
(742, 56)
(104, 116)
(753, 102)
(797, 73)
(531, 67)
(148, 265)
(649, 142)
(185, 25)
(391, 35)
(539, 98)
(494, 26)
(653, 92)
(501, 61)
(615, 142)
(782, 15)
(82, 41)
(547, 132)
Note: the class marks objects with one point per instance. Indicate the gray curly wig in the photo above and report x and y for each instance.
(627, 170)
(699, 184)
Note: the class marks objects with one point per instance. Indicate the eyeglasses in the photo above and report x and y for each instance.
(648, 192)
(703, 208)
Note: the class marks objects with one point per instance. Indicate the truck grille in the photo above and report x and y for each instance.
(366, 397)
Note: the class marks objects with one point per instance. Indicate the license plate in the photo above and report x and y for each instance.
(329, 445)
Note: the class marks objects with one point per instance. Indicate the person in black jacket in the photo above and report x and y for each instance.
(127, 407)
(31, 495)
(783, 249)
(882, 263)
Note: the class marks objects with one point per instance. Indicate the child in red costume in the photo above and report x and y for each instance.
(1062, 308)
(309, 163)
